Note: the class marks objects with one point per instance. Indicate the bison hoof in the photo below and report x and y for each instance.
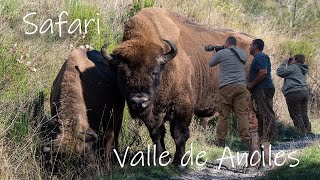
(181, 168)
(178, 164)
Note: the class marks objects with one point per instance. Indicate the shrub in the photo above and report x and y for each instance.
(291, 47)
(81, 10)
(140, 4)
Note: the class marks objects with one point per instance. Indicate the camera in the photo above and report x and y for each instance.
(211, 48)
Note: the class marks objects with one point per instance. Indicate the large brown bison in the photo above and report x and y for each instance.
(163, 72)
(86, 108)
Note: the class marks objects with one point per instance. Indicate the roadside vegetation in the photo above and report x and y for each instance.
(308, 167)
(29, 64)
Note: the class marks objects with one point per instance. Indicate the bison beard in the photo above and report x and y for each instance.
(160, 83)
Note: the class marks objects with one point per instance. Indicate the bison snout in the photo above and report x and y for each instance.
(139, 102)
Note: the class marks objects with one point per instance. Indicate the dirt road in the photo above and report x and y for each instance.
(226, 171)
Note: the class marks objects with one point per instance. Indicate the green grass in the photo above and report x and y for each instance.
(308, 167)
(135, 134)
(98, 32)
(12, 73)
(143, 173)
(165, 172)
(306, 47)
(24, 95)
(138, 5)
(25, 117)
(9, 9)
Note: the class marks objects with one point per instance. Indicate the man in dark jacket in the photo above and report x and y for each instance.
(262, 89)
(295, 91)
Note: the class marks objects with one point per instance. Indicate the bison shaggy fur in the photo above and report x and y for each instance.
(86, 108)
(163, 72)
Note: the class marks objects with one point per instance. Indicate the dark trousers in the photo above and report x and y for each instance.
(297, 103)
(267, 128)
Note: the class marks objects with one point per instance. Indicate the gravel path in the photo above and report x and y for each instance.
(211, 169)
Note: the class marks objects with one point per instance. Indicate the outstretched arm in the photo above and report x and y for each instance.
(216, 59)
(284, 70)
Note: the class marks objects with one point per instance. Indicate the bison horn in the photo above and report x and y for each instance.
(171, 54)
(105, 54)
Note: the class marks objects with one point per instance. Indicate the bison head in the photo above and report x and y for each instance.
(139, 68)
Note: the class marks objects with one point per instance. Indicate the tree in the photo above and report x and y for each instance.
(300, 11)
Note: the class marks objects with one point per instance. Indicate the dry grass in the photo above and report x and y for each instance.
(41, 56)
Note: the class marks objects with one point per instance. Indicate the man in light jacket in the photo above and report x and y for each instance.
(295, 90)
(233, 90)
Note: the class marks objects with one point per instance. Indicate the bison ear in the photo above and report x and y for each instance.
(169, 55)
(106, 55)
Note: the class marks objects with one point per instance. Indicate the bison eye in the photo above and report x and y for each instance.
(155, 78)
(155, 73)
(156, 70)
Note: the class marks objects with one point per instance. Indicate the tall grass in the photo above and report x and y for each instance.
(29, 64)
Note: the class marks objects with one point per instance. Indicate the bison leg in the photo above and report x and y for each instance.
(179, 128)
(113, 131)
(118, 116)
(112, 134)
(157, 136)
(109, 137)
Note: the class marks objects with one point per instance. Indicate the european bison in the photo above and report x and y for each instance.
(163, 72)
(86, 108)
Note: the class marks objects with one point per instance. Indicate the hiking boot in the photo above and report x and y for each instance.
(220, 143)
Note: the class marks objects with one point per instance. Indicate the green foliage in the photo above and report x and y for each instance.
(233, 140)
(140, 4)
(232, 124)
(292, 47)
(143, 173)
(308, 167)
(300, 13)
(9, 8)
(24, 118)
(12, 73)
(19, 108)
(19, 127)
(149, 3)
(97, 33)
(126, 138)
(258, 7)
(82, 11)
(226, 6)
